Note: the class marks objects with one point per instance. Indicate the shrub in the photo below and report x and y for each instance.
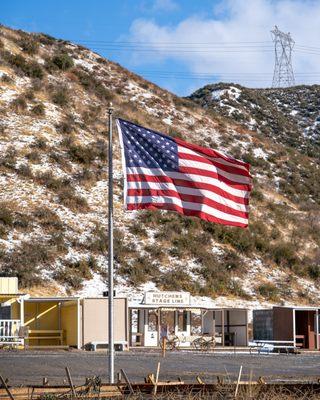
(50, 181)
(28, 45)
(40, 143)
(24, 261)
(91, 84)
(70, 199)
(31, 69)
(65, 127)
(284, 254)
(24, 170)
(22, 220)
(9, 158)
(268, 291)
(46, 39)
(62, 61)
(100, 240)
(6, 79)
(19, 104)
(87, 154)
(48, 219)
(139, 271)
(314, 271)
(33, 156)
(6, 216)
(177, 279)
(38, 109)
(29, 94)
(138, 230)
(60, 96)
(81, 154)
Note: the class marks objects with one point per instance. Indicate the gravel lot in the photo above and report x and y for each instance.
(29, 367)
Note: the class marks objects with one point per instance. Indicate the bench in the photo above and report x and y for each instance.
(271, 346)
(120, 345)
(45, 334)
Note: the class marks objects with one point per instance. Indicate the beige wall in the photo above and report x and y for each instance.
(8, 285)
(95, 320)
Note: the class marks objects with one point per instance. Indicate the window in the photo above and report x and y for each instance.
(152, 321)
(182, 320)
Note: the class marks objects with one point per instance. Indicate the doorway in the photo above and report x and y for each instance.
(305, 329)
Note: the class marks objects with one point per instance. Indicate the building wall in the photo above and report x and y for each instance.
(95, 320)
(262, 324)
(235, 321)
(8, 285)
(42, 316)
(282, 323)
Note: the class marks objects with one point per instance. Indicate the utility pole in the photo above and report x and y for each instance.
(283, 73)
(110, 252)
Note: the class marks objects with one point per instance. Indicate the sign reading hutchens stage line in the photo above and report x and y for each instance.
(168, 298)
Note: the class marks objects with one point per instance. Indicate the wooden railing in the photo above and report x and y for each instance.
(9, 331)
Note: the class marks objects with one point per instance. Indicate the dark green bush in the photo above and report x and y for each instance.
(31, 69)
(62, 61)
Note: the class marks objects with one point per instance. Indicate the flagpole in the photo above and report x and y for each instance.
(110, 252)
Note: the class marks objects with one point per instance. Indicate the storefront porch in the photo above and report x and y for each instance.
(185, 322)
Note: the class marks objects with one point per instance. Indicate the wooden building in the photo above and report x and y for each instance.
(174, 313)
(296, 325)
(58, 321)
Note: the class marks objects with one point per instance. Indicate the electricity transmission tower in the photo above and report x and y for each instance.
(283, 72)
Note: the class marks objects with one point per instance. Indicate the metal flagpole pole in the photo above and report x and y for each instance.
(110, 252)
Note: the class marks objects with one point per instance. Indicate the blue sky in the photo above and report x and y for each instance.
(181, 44)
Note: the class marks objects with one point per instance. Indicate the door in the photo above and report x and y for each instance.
(182, 326)
(151, 328)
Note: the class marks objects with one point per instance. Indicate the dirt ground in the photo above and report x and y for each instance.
(29, 367)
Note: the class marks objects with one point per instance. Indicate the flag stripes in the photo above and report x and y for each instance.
(166, 173)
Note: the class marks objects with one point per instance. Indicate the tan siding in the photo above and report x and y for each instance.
(95, 320)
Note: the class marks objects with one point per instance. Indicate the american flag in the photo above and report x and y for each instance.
(167, 173)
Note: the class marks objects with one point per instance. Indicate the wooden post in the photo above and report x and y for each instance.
(222, 327)
(70, 382)
(164, 344)
(157, 379)
(6, 387)
(125, 377)
(238, 382)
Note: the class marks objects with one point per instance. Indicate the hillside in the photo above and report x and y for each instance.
(53, 182)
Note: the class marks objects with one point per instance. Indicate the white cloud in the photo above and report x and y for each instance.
(236, 21)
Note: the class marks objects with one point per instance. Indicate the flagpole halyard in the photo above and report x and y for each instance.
(110, 252)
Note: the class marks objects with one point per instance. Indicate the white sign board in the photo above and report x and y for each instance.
(167, 298)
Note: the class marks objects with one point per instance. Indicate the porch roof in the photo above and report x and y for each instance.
(51, 299)
(11, 295)
(184, 306)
